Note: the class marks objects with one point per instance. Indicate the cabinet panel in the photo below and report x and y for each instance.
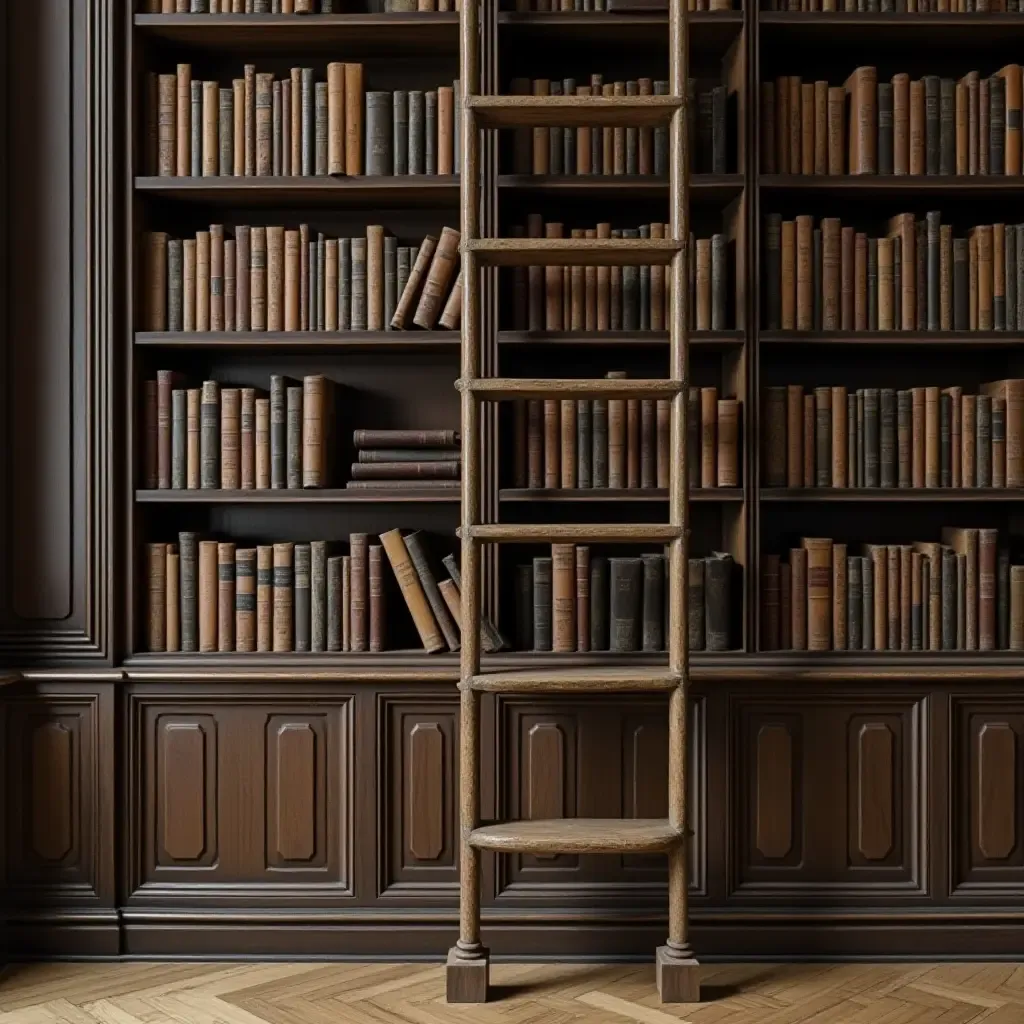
(242, 793)
(418, 785)
(987, 761)
(827, 795)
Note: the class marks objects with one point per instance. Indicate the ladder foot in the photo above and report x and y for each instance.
(678, 979)
(466, 980)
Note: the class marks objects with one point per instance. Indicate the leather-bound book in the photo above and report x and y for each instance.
(878, 553)
(411, 588)
(542, 604)
(376, 596)
(836, 129)
(422, 562)
(359, 591)
(949, 599)
(600, 593)
(284, 597)
(709, 437)
(774, 437)
(901, 124)
(799, 598)
(727, 453)
(156, 606)
(207, 596)
(794, 436)
(785, 607)
(998, 432)
(893, 605)
(983, 448)
(567, 433)
(862, 89)
(1011, 392)
(945, 277)
(932, 438)
(872, 438)
(264, 598)
(860, 282)
(820, 127)
(999, 277)
(173, 600)
(918, 431)
(693, 438)
(440, 275)
(315, 421)
(552, 442)
(293, 437)
(209, 439)
(624, 604)
(854, 598)
(819, 593)
(247, 439)
(885, 128)
(885, 284)
(932, 124)
(904, 439)
(987, 589)
(318, 578)
(409, 298)
(823, 437)
(867, 604)
(653, 616)
(809, 441)
(718, 574)
(1002, 599)
(917, 598)
(853, 441)
(831, 273)
(804, 273)
(887, 437)
(582, 597)
(839, 597)
(696, 605)
(918, 127)
(997, 125)
(334, 607)
(617, 439)
(788, 275)
(648, 445)
(773, 272)
(932, 552)
(770, 601)
(303, 598)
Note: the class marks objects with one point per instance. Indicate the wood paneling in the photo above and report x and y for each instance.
(774, 791)
(873, 760)
(56, 298)
(185, 803)
(418, 783)
(296, 787)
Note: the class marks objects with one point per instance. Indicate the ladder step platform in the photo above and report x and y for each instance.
(638, 679)
(579, 533)
(579, 835)
(497, 388)
(572, 252)
(566, 111)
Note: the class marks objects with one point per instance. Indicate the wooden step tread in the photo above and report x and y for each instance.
(572, 252)
(562, 111)
(638, 679)
(580, 533)
(495, 388)
(579, 835)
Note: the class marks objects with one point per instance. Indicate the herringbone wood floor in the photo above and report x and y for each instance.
(414, 994)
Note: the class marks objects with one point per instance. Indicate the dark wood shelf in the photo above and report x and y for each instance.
(304, 341)
(352, 35)
(619, 495)
(885, 185)
(709, 187)
(407, 191)
(875, 494)
(326, 496)
(713, 30)
(845, 29)
(922, 339)
(698, 339)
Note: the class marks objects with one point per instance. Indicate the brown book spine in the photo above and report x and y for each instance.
(567, 455)
(728, 442)
(616, 438)
(315, 408)
(917, 127)
(839, 597)
(230, 439)
(353, 119)
(633, 443)
(880, 580)
(284, 597)
(417, 275)
(819, 593)
(412, 591)
(207, 596)
(157, 598)
(901, 124)
(184, 120)
(173, 634)
(375, 586)
(1017, 607)
(836, 129)
(932, 438)
(375, 279)
(804, 273)
(798, 598)
(225, 597)
(789, 260)
(987, 556)
(809, 445)
(264, 598)
(335, 118)
(193, 441)
(245, 599)
(435, 286)
(262, 444)
(582, 597)
(708, 437)
(794, 436)
(563, 561)
(552, 443)
(839, 437)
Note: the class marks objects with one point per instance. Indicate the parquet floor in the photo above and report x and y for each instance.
(526, 994)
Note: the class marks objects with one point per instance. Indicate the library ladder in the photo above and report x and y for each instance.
(468, 960)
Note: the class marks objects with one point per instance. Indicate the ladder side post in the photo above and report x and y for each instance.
(676, 967)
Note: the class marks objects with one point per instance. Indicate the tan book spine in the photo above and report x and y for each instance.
(264, 598)
(901, 124)
(248, 439)
(225, 597)
(880, 574)
(217, 277)
(708, 437)
(563, 598)
(375, 278)
(258, 279)
(207, 596)
(211, 120)
(238, 131)
(202, 280)
(728, 442)
(819, 593)
(417, 275)
(918, 449)
(917, 127)
(188, 284)
(264, 125)
(932, 461)
(284, 597)
(262, 444)
(193, 413)
(567, 457)
(335, 118)
(810, 418)
(167, 127)
(446, 131)
(886, 298)
(292, 276)
(173, 599)
(353, 119)
(442, 270)
(314, 431)
(798, 598)
(184, 120)
(245, 600)
(836, 129)
(703, 306)
(230, 439)
(412, 591)
(794, 436)
(275, 278)
(156, 639)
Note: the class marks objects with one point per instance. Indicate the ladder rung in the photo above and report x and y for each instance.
(581, 533)
(578, 680)
(572, 252)
(563, 111)
(496, 388)
(579, 835)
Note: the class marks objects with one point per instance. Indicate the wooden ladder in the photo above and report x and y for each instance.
(468, 960)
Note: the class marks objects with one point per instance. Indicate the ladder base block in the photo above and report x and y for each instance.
(678, 980)
(466, 981)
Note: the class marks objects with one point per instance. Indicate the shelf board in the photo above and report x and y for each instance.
(883, 185)
(560, 111)
(618, 495)
(840, 29)
(304, 341)
(309, 496)
(352, 35)
(628, 339)
(723, 187)
(708, 29)
(419, 190)
(915, 494)
(925, 339)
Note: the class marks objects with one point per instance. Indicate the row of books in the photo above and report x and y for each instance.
(929, 125)
(264, 126)
(916, 276)
(622, 150)
(278, 279)
(406, 459)
(957, 594)
(611, 298)
(881, 437)
(573, 601)
(290, 6)
(206, 596)
(898, 6)
(623, 443)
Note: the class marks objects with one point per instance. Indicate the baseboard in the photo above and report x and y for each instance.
(397, 935)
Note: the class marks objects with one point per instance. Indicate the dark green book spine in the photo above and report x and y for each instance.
(320, 115)
(209, 436)
(524, 607)
(599, 448)
(904, 437)
(404, 262)
(653, 636)
(358, 286)
(430, 132)
(303, 599)
(344, 284)
(293, 440)
(179, 438)
(983, 451)
(175, 299)
(417, 128)
(278, 433)
(400, 132)
(188, 550)
(932, 124)
(718, 570)
(335, 572)
(696, 605)
(378, 133)
(197, 128)
(226, 132)
(584, 444)
(996, 124)
(599, 594)
(625, 604)
(542, 604)
(318, 595)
